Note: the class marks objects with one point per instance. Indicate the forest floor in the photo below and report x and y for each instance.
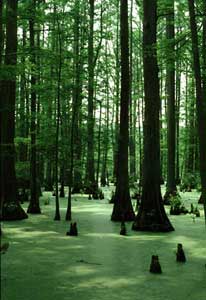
(43, 263)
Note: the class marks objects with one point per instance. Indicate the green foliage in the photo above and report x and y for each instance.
(190, 182)
(177, 207)
(21, 140)
(23, 170)
(55, 41)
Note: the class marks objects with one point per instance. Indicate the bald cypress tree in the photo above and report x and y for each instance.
(200, 96)
(151, 215)
(171, 124)
(122, 209)
(34, 207)
(90, 173)
(10, 207)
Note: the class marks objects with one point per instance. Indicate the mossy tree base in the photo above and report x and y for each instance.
(12, 211)
(151, 215)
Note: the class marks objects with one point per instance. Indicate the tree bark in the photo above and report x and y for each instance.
(77, 180)
(132, 142)
(200, 100)
(34, 207)
(151, 215)
(178, 98)
(104, 171)
(117, 91)
(90, 178)
(10, 207)
(23, 149)
(57, 216)
(171, 125)
(123, 209)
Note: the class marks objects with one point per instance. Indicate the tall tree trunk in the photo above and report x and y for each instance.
(132, 144)
(123, 209)
(104, 179)
(183, 165)
(34, 207)
(201, 200)
(90, 178)
(140, 113)
(48, 179)
(22, 128)
(161, 130)
(151, 215)
(99, 142)
(77, 180)
(200, 100)
(38, 122)
(57, 216)
(171, 128)
(190, 159)
(117, 88)
(10, 207)
(178, 97)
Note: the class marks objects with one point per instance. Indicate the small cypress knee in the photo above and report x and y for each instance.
(180, 255)
(155, 265)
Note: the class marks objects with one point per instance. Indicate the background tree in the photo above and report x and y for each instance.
(123, 209)
(34, 207)
(200, 101)
(170, 81)
(90, 172)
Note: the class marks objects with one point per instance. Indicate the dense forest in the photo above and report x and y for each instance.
(102, 118)
(100, 92)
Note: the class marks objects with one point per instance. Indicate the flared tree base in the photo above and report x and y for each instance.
(122, 209)
(91, 188)
(127, 216)
(57, 217)
(34, 209)
(12, 211)
(152, 221)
